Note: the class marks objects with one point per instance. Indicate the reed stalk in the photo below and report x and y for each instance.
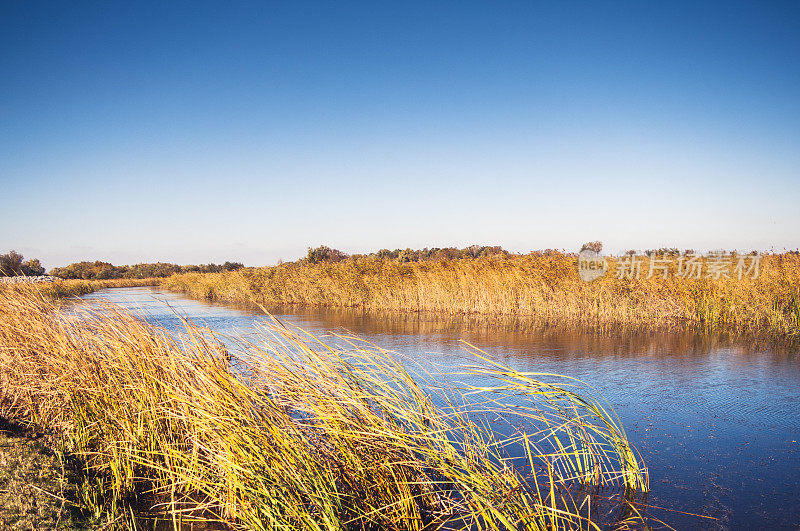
(543, 287)
(296, 433)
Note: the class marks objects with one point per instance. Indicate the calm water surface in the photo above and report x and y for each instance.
(717, 423)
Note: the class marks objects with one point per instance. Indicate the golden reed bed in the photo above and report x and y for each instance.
(545, 287)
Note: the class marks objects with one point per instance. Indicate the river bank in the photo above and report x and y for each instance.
(542, 287)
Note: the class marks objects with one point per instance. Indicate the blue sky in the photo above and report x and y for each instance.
(194, 132)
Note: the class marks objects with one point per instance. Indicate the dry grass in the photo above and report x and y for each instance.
(62, 289)
(303, 435)
(543, 287)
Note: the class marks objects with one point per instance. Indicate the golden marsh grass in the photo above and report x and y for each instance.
(302, 434)
(545, 287)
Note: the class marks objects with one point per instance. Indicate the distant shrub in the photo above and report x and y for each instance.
(407, 255)
(323, 253)
(436, 254)
(12, 264)
(232, 266)
(32, 268)
(386, 254)
(596, 246)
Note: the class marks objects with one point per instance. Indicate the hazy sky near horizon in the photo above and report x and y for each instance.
(193, 132)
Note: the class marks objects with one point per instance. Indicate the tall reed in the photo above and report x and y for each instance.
(300, 434)
(544, 287)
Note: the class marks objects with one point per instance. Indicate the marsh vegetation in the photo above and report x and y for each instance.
(486, 281)
(297, 434)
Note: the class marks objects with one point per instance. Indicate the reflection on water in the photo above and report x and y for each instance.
(717, 421)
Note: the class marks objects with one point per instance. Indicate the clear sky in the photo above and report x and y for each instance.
(208, 131)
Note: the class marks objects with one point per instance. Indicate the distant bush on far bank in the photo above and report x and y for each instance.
(325, 254)
(13, 264)
(105, 271)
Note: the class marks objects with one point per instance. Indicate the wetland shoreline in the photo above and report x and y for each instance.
(542, 288)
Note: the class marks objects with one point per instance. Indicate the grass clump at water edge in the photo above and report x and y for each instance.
(304, 435)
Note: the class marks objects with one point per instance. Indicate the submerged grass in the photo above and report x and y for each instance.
(544, 287)
(295, 433)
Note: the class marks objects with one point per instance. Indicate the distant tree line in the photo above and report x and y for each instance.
(103, 270)
(327, 254)
(13, 264)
